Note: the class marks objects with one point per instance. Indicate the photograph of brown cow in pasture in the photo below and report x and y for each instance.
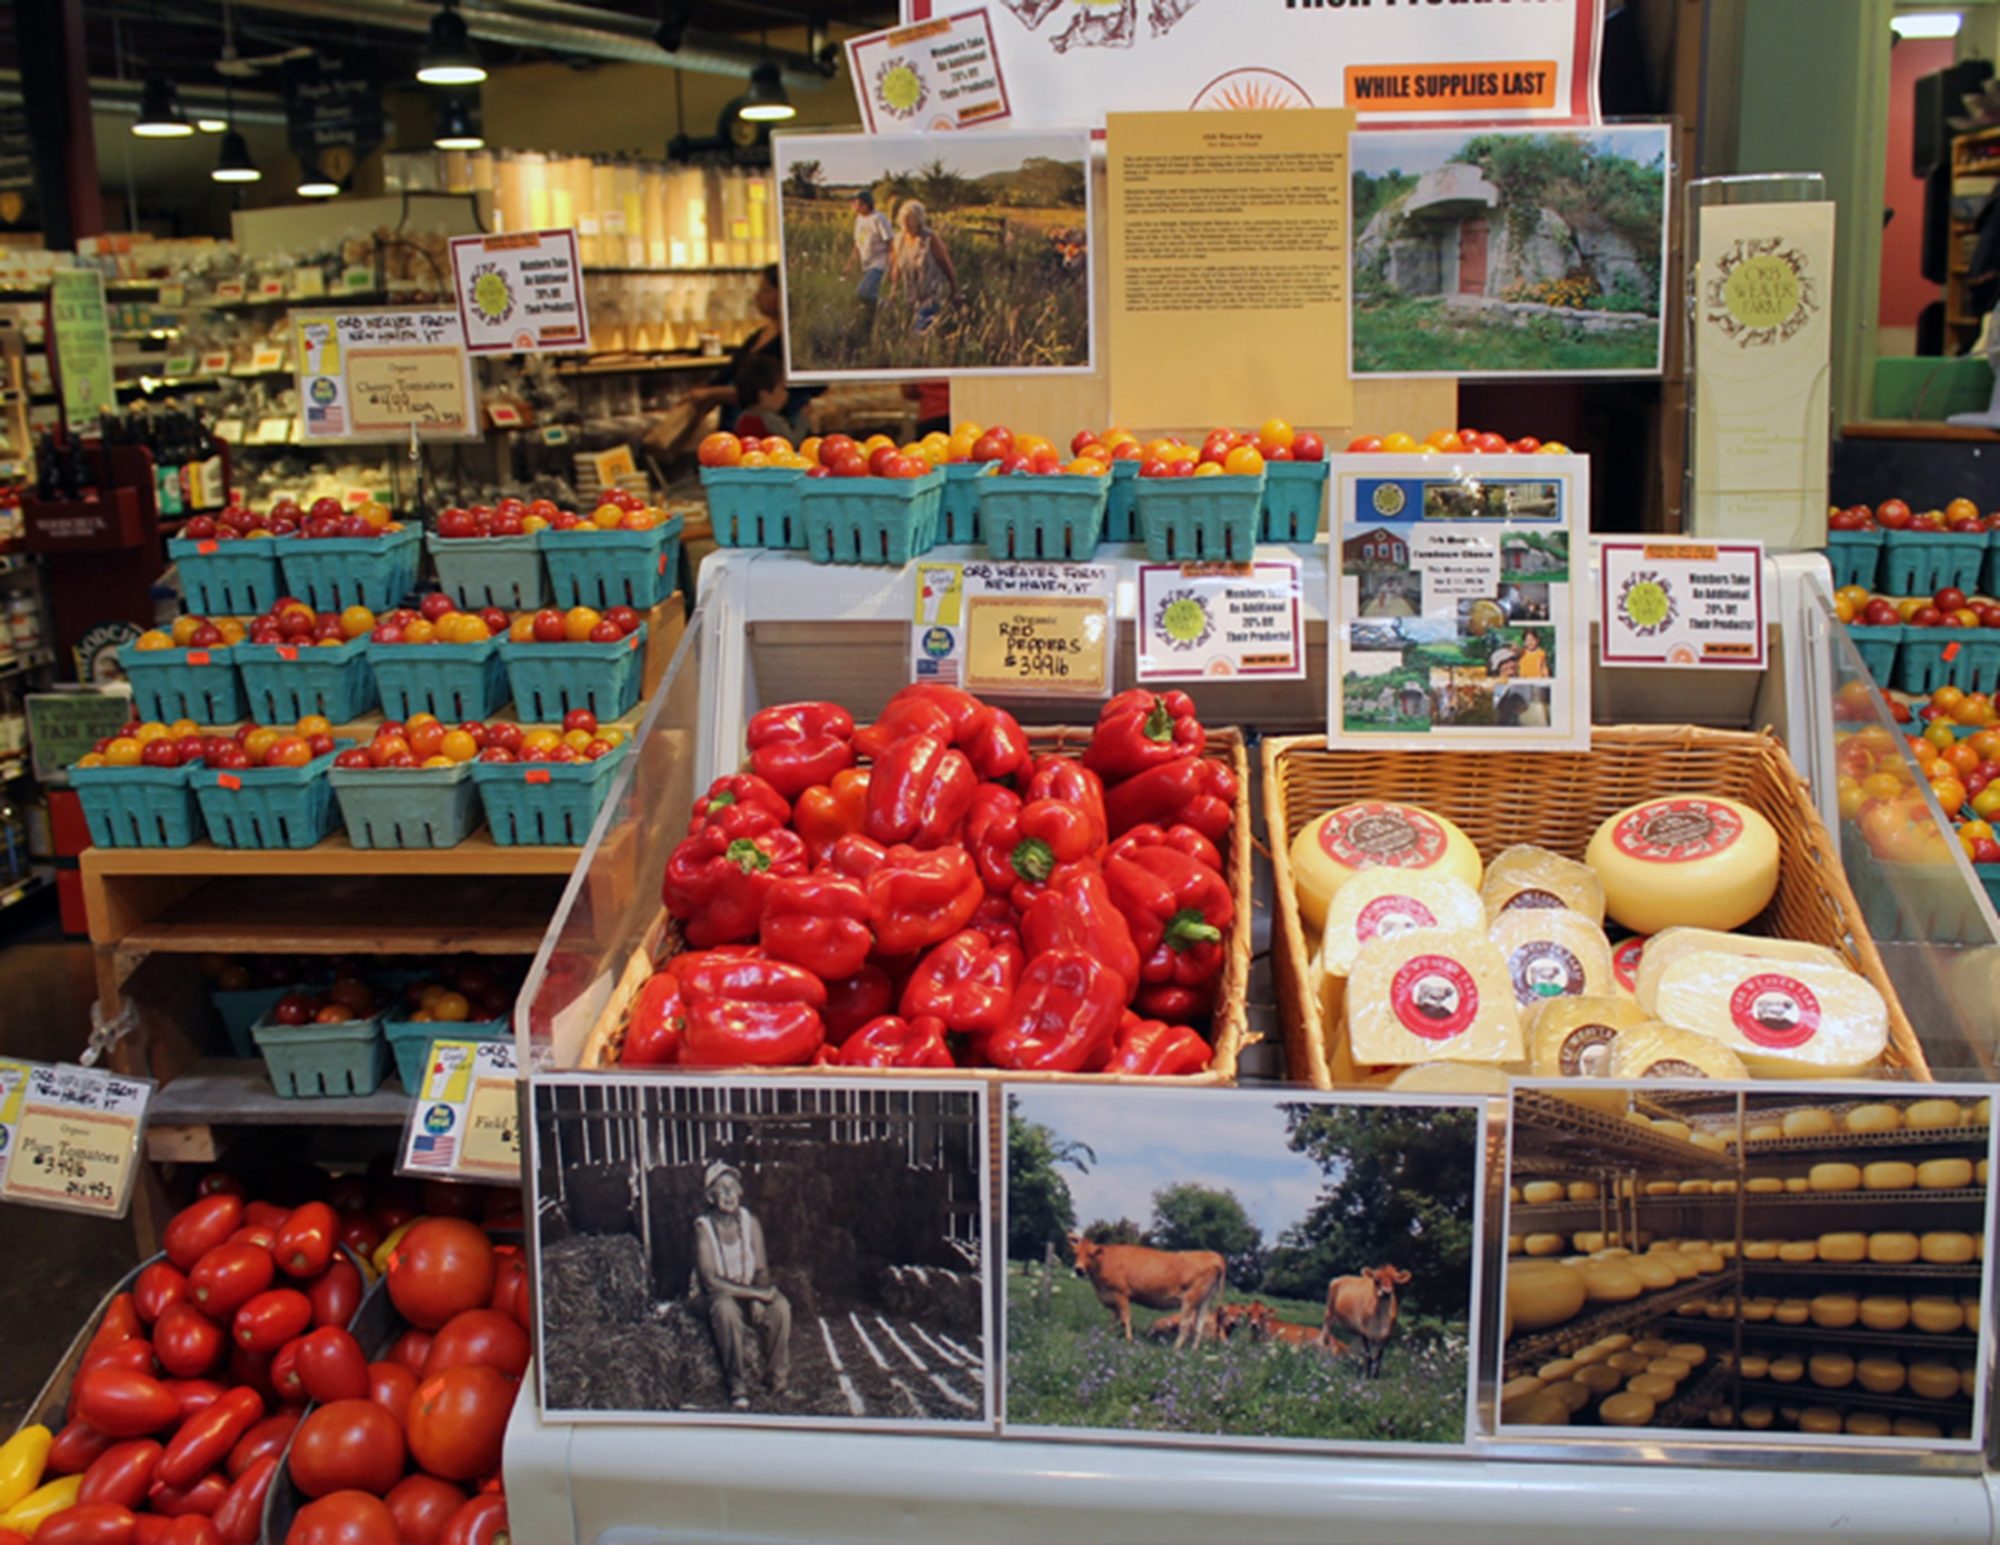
(1186, 1264)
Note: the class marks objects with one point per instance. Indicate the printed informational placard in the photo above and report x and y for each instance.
(1014, 628)
(378, 375)
(466, 1121)
(1405, 63)
(1680, 603)
(1763, 336)
(82, 345)
(69, 1136)
(63, 726)
(1226, 243)
(1454, 617)
(1221, 620)
(520, 293)
(939, 74)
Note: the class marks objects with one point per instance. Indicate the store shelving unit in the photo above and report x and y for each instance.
(1526, 1353)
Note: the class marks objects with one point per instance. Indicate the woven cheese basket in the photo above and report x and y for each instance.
(1229, 1026)
(1557, 800)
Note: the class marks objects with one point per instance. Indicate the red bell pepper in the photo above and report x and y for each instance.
(743, 1011)
(854, 1000)
(890, 1042)
(716, 884)
(655, 1024)
(1054, 833)
(1068, 780)
(997, 920)
(797, 745)
(989, 736)
(967, 981)
(1180, 911)
(1188, 791)
(918, 899)
(918, 793)
(1076, 912)
(1140, 729)
(1178, 1005)
(992, 833)
(819, 921)
(827, 812)
(742, 805)
(1064, 1016)
(1147, 1046)
(855, 856)
(1182, 839)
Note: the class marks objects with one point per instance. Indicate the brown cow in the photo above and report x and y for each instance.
(1229, 1319)
(1266, 1326)
(1366, 1306)
(1189, 1282)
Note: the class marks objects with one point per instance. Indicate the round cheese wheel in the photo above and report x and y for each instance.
(1834, 1177)
(1669, 1368)
(1874, 1118)
(1539, 1193)
(1626, 1363)
(1626, 1410)
(1652, 1385)
(1696, 1187)
(1836, 1311)
(1693, 1309)
(1693, 1246)
(1892, 1249)
(1662, 1188)
(1867, 1424)
(1979, 1172)
(1526, 1384)
(1573, 1395)
(1513, 1193)
(1725, 1188)
(1689, 860)
(1710, 1141)
(1615, 1251)
(1692, 1353)
(1537, 1410)
(1792, 1311)
(1819, 1419)
(1884, 1311)
(1375, 834)
(1651, 1346)
(1707, 1262)
(1538, 880)
(1583, 1191)
(1755, 1309)
(1799, 1250)
(1667, 1127)
(1787, 1370)
(1599, 1378)
(1936, 1314)
(1609, 1284)
(1721, 1416)
(1513, 1244)
(1584, 1357)
(1721, 1309)
(1653, 1273)
(1762, 1249)
(1765, 1132)
(1726, 1248)
(1943, 1174)
(1557, 1369)
(1982, 1112)
(1587, 1240)
(1915, 1427)
(1945, 1248)
(1544, 1294)
(1755, 1366)
(1888, 1175)
(1797, 1185)
(1543, 1244)
(1846, 1247)
(1933, 1381)
(1757, 1418)
(1971, 1308)
(1615, 1343)
(1763, 1185)
(1921, 1114)
(1831, 1370)
(1809, 1121)
(1879, 1375)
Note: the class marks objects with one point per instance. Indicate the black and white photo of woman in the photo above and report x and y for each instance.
(733, 1278)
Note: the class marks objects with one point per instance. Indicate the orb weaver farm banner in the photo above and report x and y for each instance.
(1069, 62)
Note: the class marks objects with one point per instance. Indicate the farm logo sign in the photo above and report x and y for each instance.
(1763, 293)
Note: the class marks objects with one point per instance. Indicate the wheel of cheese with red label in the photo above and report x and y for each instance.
(1375, 834)
(1691, 860)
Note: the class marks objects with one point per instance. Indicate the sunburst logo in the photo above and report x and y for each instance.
(1183, 620)
(1647, 603)
(899, 88)
(1245, 91)
(491, 295)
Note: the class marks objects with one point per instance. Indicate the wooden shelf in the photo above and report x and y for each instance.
(236, 1092)
(478, 854)
(644, 364)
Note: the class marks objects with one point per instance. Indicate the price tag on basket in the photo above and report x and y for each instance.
(1011, 629)
(465, 1122)
(70, 1136)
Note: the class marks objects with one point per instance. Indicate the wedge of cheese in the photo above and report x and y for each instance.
(1436, 995)
(1654, 1050)
(1375, 834)
(1785, 1019)
(1687, 860)
(1382, 903)
(1574, 1037)
(1541, 1294)
(1553, 955)
(1534, 879)
(1674, 945)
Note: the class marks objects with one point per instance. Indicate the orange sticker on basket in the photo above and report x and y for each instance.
(228, 781)
(536, 775)
(1951, 651)
(198, 657)
(206, 546)
(663, 564)
(632, 641)
(288, 651)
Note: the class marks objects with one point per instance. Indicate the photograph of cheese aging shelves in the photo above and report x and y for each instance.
(1801, 1264)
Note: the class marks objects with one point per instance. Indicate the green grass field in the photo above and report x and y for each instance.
(1068, 1366)
(1398, 333)
(1017, 307)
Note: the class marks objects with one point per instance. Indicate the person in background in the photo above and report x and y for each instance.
(872, 238)
(767, 341)
(920, 267)
(933, 400)
(760, 384)
(733, 1275)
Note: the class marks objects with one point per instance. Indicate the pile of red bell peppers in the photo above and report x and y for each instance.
(925, 892)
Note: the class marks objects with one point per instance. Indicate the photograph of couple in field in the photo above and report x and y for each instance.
(965, 253)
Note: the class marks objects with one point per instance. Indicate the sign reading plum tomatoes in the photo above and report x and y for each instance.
(69, 1136)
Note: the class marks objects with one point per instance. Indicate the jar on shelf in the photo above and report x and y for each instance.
(24, 624)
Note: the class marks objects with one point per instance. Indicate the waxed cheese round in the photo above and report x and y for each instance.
(1764, 1185)
(1819, 1419)
(1945, 1248)
(1884, 1311)
(1523, 878)
(1765, 1132)
(1375, 834)
(1867, 1424)
(1843, 1247)
(1916, 1427)
(1626, 1410)
(1653, 1386)
(1923, 1114)
(1892, 1248)
(1382, 903)
(1653, 1274)
(1691, 1353)
(1835, 1311)
(1834, 1176)
(1797, 1185)
(1888, 1175)
(1943, 1174)
(1599, 1378)
(1669, 1368)
(1573, 1395)
(1880, 1375)
(1792, 1311)
(1787, 1370)
(1652, 1346)
(1757, 1418)
(1662, 1188)
(1556, 1369)
(1583, 1190)
(1627, 1363)
(1874, 1118)
(1831, 1370)
(1755, 1365)
(1971, 1308)
(1544, 1244)
(1936, 1315)
(1721, 1416)
(1696, 1188)
(1539, 1193)
(1799, 1250)
(1611, 1284)
(1544, 1294)
(1762, 1249)
(1688, 860)
(1808, 1122)
(1934, 1381)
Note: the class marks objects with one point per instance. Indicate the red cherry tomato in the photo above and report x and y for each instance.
(240, 1519)
(332, 1365)
(305, 1243)
(92, 1523)
(188, 1529)
(510, 1286)
(443, 1266)
(262, 1235)
(220, 1181)
(121, 1474)
(135, 1355)
(188, 1343)
(361, 1234)
(271, 1319)
(204, 1440)
(120, 1323)
(390, 1386)
(266, 1440)
(336, 1295)
(422, 1506)
(203, 1497)
(228, 1277)
(484, 1336)
(76, 1448)
(349, 1443)
(287, 1383)
(482, 1521)
(410, 1349)
(344, 1518)
(265, 1215)
(192, 1396)
(196, 1230)
(458, 1420)
(123, 1404)
(160, 1286)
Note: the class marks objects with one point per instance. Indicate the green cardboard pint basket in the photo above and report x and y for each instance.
(1924, 562)
(1053, 516)
(755, 506)
(1854, 556)
(227, 579)
(548, 680)
(1966, 658)
(590, 567)
(545, 804)
(336, 1061)
(331, 574)
(406, 807)
(454, 681)
(1877, 647)
(284, 682)
(482, 571)
(1294, 492)
(887, 520)
(958, 510)
(267, 808)
(1121, 522)
(138, 807)
(1205, 519)
(410, 1042)
(197, 684)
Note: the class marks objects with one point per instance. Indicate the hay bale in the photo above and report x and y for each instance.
(600, 1198)
(594, 1282)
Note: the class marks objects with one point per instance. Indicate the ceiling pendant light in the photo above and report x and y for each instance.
(458, 126)
(160, 115)
(449, 57)
(313, 183)
(767, 101)
(232, 162)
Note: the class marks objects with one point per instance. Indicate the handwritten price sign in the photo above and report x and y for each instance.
(466, 1120)
(1044, 643)
(69, 1136)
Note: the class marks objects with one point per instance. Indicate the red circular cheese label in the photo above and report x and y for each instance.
(1542, 968)
(1382, 837)
(1387, 916)
(1625, 963)
(1434, 997)
(1775, 1010)
(1534, 901)
(1677, 831)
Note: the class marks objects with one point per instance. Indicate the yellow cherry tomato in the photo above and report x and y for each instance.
(33, 1510)
(22, 1459)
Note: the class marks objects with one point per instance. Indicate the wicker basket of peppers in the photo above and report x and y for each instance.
(944, 891)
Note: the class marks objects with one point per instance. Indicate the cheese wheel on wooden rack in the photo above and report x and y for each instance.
(1721, 1309)
(1587, 1240)
(1831, 1370)
(1666, 1126)
(1626, 1410)
(1575, 1037)
(1787, 1370)
(1762, 1249)
(1928, 1115)
(1542, 1294)
(1383, 903)
(1553, 955)
(1626, 1364)
(1884, 1311)
(1835, 1311)
(1535, 1410)
(1655, 1050)
(1693, 1309)
(1525, 1384)
(1845, 1247)
(1944, 1174)
(1706, 1262)
(1539, 1193)
(1710, 1141)
(1618, 1341)
(1692, 1353)
(1874, 1118)
(1697, 1188)
(1651, 1346)
(1945, 1247)
(1653, 1274)
(1725, 1188)
(1808, 1121)
(1764, 1185)
(1582, 1190)
(1663, 1188)
(1768, 1132)
(1936, 1315)
(1786, 1019)
(1685, 861)
(1676, 944)
(1791, 1311)
(1669, 1368)
(1819, 1419)
(1757, 1418)
(1892, 1248)
(1971, 1308)
(1867, 1424)
(1653, 1386)
(1888, 1175)
(1934, 1381)
(1916, 1427)
(1375, 834)
(1525, 878)
(1979, 1172)
(1880, 1375)
(1611, 1283)
(1599, 1378)
(1543, 1244)
(1796, 1185)
(1755, 1365)
(1721, 1416)
(1573, 1395)
(1799, 1251)
(1834, 1176)
(1682, 1266)
(1557, 1368)
(1429, 996)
